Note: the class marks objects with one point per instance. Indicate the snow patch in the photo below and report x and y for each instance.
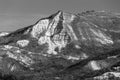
(94, 65)
(51, 45)
(105, 76)
(73, 58)
(23, 43)
(8, 46)
(3, 34)
(39, 28)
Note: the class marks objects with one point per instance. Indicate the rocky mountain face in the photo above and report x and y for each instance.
(63, 46)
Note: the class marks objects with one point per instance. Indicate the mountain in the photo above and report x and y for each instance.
(63, 46)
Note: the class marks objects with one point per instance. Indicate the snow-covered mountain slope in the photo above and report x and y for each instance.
(62, 46)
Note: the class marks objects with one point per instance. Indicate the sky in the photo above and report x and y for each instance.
(15, 14)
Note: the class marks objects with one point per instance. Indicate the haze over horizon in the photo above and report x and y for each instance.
(16, 14)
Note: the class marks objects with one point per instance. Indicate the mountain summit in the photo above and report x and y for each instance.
(63, 46)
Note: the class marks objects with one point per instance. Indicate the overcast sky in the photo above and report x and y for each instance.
(15, 14)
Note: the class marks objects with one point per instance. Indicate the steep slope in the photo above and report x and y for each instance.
(62, 46)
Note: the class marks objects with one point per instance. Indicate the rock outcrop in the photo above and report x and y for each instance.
(63, 46)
